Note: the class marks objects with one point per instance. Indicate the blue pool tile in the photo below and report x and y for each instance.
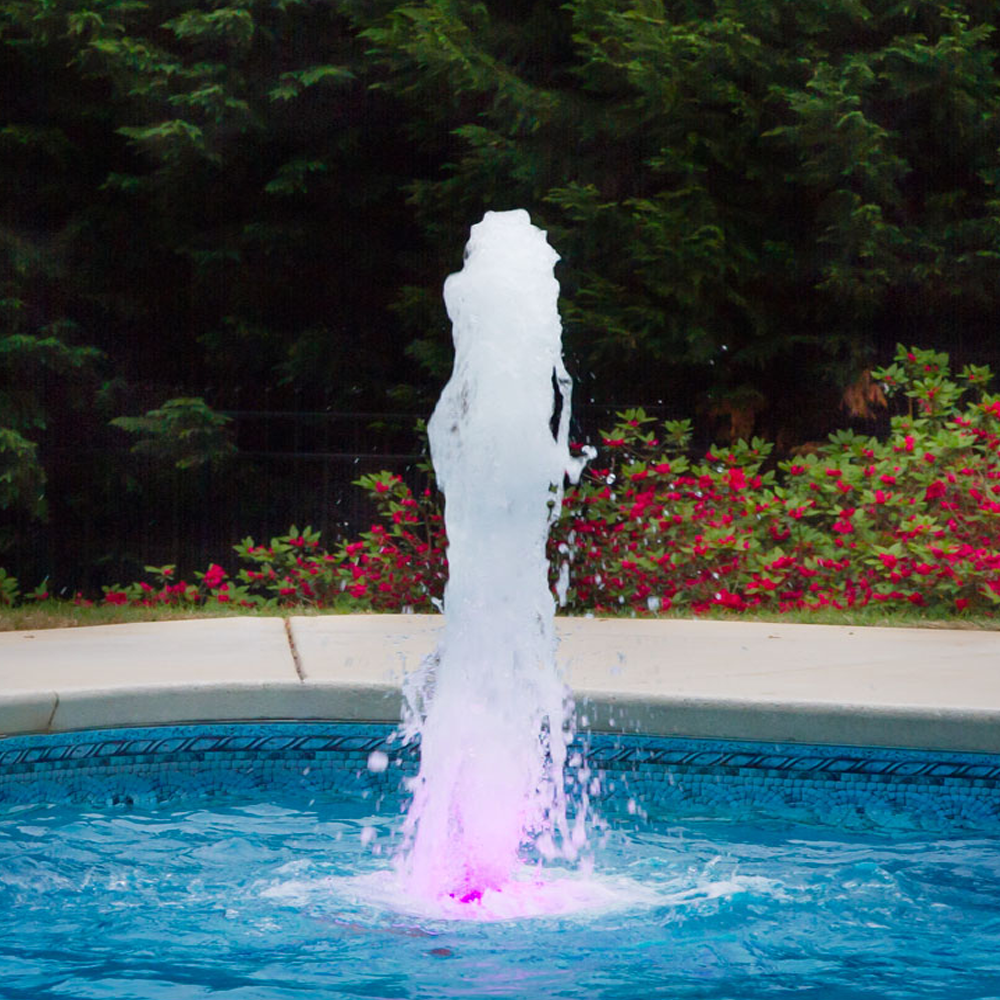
(852, 786)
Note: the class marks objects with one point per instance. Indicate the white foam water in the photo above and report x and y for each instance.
(529, 893)
(491, 710)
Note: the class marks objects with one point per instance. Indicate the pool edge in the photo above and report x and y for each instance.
(351, 666)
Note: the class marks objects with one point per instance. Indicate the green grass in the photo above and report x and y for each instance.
(63, 614)
(873, 616)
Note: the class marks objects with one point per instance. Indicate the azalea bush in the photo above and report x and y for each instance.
(398, 565)
(911, 520)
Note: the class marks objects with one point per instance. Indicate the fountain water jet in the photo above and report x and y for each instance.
(490, 707)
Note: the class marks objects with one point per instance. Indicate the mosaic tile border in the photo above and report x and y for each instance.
(628, 752)
(153, 744)
(666, 776)
(174, 764)
(845, 786)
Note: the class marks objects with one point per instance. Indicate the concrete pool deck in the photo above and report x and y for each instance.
(926, 688)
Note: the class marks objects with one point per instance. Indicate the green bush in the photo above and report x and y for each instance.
(913, 519)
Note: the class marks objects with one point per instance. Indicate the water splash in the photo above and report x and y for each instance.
(492, 712)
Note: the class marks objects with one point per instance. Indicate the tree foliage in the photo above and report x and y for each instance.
(753, 200)
(184, 432)
(192, 183)
(38, 372)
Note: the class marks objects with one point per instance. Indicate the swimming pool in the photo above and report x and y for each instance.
(224, 860)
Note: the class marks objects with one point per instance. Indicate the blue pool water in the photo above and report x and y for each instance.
(230, 862)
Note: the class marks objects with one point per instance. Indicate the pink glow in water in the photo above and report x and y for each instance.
(490, 707)
(528, 893)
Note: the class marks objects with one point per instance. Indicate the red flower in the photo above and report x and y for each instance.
(729, 600)
(737, 480)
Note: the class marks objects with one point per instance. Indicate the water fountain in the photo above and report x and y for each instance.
(490, 707)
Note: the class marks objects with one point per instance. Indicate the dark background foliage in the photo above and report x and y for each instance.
(247, 208)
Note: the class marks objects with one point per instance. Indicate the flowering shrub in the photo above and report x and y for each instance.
(211, 588)
(395, 566)
(912, 520)
(399, 565)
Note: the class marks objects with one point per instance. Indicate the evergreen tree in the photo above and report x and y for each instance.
(753, 199)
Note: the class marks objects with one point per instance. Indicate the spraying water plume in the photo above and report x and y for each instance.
(490, 707)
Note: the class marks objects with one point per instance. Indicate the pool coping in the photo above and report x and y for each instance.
(934, 689)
